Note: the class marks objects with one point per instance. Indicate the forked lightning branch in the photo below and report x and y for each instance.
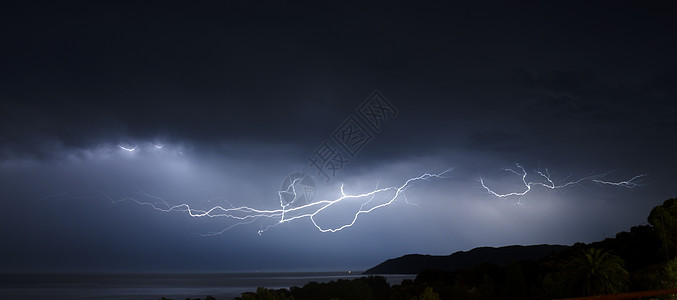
(295, 202)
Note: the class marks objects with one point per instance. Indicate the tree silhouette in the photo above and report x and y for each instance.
(670, 280)
(664, 219)
(515, 281)
(429, 294)
(594, 271)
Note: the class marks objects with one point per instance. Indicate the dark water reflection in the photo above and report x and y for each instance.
(129, 286)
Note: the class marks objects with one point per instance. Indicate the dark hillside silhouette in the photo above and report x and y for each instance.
(415, 263)
(641, 260)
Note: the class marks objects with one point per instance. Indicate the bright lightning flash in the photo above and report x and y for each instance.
(246, 215)
(127, 148)
(548, 183)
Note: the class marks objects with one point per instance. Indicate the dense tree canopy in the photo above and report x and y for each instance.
(664, 219)
(595, 271)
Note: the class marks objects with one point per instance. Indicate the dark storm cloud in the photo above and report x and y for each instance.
(580, 104)
(81, 73)
(223, 70)
(495, 140)
(107, 71)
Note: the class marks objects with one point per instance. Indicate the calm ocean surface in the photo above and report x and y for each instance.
(153, 286)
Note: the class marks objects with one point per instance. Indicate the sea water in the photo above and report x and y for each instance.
(130, 286)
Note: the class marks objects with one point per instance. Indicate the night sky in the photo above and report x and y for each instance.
(223, 100)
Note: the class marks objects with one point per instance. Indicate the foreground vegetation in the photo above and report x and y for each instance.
(640, 259)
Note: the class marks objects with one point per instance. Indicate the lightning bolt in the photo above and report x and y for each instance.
(286, 213)
(548, 183)
(145, 146)
(378, 197)
(127, 148)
